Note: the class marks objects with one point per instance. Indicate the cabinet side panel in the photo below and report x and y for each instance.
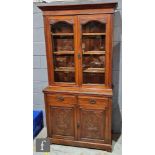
(109, 51)
(47, 111)
(108, 137)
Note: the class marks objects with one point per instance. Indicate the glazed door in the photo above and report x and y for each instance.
(93, 117)
(62, 116)
(62, 49)
(94, 30)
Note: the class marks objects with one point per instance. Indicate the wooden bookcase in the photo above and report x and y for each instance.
(78, 99)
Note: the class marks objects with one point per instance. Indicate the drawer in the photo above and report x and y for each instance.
(89, 100)
(60, 99)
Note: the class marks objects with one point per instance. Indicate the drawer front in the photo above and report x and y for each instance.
(60, 99)
(92, 101)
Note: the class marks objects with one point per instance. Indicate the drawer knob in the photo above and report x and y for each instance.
(92, 101)
(60, 98)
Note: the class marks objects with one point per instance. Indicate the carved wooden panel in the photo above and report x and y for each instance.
(85, 20)
(54, 21)
(62, 119)
(92, 124)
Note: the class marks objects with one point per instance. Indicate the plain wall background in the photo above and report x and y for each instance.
(40, 67)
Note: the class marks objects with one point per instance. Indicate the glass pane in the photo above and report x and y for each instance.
(93, 27)
(62, 27)
(93, 43)
(63, 52)
(93, 78)
(93, 50)
(63, 43)
(93, 61)
(63, 61)
(64, 77)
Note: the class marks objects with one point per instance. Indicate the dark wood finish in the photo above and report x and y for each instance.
(78, 100)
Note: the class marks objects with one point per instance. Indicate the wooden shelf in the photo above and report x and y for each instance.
(93, 34)
(62, 34)
(94, 70)
(94, 52)
(63, 52)
(65, 69)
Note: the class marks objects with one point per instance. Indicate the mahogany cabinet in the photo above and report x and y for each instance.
(78, 99)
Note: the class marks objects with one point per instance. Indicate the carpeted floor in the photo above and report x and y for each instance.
(68, 150)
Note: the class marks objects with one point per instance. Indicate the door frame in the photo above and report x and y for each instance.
(107, 19)
(50, 63)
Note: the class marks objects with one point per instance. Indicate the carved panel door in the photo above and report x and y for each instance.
(93, 117)
(62, 122)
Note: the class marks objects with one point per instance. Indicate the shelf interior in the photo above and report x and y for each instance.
(65, 69)
(62, 34)
(94, 52)
(93, 34)
(63, 52)
(85, 53)
(94, 70)
(71, 34)
(72, 69)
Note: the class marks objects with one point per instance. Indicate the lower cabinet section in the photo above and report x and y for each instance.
(83, 121)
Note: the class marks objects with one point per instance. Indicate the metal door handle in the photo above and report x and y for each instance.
(92, 101)
(60, 98)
